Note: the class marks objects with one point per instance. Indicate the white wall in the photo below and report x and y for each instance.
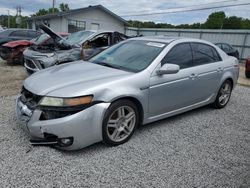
(97, 16)
(106, 21)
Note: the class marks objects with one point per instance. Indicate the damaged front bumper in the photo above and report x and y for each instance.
(70, 133)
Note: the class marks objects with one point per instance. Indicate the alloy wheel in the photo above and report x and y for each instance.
(121, 123)
(225, 93)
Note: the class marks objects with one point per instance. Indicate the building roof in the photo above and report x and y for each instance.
(59, 14)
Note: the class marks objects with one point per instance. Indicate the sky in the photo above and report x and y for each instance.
(130, 7)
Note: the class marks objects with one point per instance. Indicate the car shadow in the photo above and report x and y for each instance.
(99, 147)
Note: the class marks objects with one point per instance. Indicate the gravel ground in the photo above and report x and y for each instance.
(201, 148)
(11, 77)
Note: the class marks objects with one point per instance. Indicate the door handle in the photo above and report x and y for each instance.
(193, 76)
(220, 69)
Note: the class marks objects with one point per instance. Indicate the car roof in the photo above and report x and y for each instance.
(169, 39)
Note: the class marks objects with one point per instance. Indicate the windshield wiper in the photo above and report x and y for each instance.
(108, 65)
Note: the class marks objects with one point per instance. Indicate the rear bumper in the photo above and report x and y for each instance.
(84, 127)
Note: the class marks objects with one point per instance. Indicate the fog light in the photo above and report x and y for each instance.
(64, 142)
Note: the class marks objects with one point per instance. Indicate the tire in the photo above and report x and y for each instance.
(118, 126)
(223, 95)
(29, 72)
(247, 74)
(22, 60)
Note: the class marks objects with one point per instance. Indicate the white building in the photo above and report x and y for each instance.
(88, 18)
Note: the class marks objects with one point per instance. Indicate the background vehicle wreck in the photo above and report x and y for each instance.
(79, 45)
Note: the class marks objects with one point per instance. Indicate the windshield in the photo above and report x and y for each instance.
(41, 38)
(133, 55)
(77, 37)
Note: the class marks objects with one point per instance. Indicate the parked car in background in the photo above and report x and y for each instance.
(230, 50)
(78, 45)
(137, 81)
(17, 34)
(247, 68)
(13, 51)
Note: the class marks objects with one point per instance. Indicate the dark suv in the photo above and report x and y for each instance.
(17, 34)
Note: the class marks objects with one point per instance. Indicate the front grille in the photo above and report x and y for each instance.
(30, 64)
(30, 99)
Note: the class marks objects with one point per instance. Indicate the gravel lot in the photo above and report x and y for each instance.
(201, 148)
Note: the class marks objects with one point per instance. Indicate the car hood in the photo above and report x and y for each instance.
(56, 38)
(16, 43)
(51, 33)
(82, 75)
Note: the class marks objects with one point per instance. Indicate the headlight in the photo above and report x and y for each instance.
(66, 102)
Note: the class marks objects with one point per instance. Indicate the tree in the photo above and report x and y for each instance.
(64, 7)
(215, 20)
(232, 22)
(42, 12)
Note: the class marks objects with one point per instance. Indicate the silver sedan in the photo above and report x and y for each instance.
(135, 82)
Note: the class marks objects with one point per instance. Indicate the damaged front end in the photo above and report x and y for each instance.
(13, 51)
(68, 128)
(27, 106)
(12, 54)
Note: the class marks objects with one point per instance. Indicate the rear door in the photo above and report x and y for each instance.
(208, 68)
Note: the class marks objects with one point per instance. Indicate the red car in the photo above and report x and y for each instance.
(13, 51)
(247, 68)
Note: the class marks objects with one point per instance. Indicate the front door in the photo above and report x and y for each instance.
(170, 92)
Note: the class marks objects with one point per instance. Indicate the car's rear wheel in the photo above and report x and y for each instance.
(247, 73)
(223, 95)
(120, 122)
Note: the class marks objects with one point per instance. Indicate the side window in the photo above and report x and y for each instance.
(49, 42)
(203, 54)
(181, 55)
(219, 45)
(33, 34)
(225, 47)
(118, 37)
(101, 40)
(20, 33)
(216, 54)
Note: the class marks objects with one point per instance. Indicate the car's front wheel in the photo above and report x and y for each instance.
(223, 95)
(120, 122)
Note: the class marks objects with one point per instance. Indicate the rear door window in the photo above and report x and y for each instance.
(20, 33)
(204, 54)
(181, 55)
(33, 34)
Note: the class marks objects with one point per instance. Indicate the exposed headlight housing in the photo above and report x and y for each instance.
(66, 102)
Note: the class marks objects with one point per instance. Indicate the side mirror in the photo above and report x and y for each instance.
(168, 69)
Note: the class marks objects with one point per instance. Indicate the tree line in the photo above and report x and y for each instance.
(216, 20)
